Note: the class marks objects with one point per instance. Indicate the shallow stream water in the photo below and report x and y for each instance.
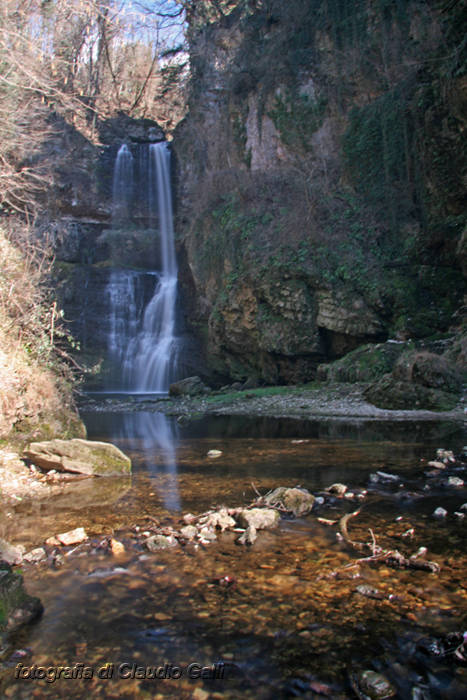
(292, 619)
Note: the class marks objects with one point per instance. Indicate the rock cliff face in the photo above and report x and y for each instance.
(319, 180)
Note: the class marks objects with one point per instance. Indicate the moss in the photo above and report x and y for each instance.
(297, 117)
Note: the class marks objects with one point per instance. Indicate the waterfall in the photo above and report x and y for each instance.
(123, 184)
(141, 336)
(153, 352)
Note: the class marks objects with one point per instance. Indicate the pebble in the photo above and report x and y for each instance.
(35, 555)
(189, 532)
(116, 547)
(455, 481)
(200, 694)
(440, 512)
(437, 465)
(75, 536)
(337, 489)
(213, 454)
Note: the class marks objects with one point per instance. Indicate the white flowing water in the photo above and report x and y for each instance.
(141, 336)
(123, 185)
(153, 352)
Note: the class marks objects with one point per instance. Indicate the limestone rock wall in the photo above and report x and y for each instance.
(319, 181)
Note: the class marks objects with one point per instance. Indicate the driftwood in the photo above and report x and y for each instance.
(390, 557)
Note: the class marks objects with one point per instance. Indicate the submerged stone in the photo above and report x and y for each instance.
(295, 500)
(156, 542)
(80, 456)
(375, 685)
(259, 518)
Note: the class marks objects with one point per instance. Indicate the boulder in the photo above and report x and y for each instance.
(191, 386)
(419, 380)
(258, 518)
(79, 456)
(429, 370)
(296, 501)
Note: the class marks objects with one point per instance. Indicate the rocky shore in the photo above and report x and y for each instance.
(332, 400)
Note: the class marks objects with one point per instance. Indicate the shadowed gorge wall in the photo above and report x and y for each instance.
(321, 180)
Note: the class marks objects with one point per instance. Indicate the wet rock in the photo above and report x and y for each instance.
(455, 481)
(259, 518)
(16, 606)
(445, 455)
(385, 476)
(374, 685)
(437, 465)
(156, 542)
(295, 500)
(75, 536)
(463, 506)
(191, 386)
(200, 694)
(214, 454)
(459, 516)
(249, 537)
(453, 644)
(440, 512)
(220, 520)
(189, 532)
(11, 553)
(52, 541)
(369, 592)
(206, 533)
(337, 489)
(35, 555)
(79, 456)
(116, 547)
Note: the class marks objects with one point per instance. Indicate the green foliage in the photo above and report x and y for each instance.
(297, 117)
(378, 150)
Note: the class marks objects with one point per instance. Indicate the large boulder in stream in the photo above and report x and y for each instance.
(79, 456)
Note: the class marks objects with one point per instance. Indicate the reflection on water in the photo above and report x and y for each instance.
(289, 620)
(154, 436)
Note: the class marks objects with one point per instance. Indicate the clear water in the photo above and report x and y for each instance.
(287, 622)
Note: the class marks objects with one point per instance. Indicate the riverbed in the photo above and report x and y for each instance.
(285, 617)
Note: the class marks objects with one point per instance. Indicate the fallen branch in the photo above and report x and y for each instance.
(390, 557)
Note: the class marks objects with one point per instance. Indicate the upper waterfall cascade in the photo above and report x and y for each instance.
(142, 341)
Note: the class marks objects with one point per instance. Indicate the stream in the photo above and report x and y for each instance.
(290, 622)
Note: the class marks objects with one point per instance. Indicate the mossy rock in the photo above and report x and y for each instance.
(428, 370)
(17, 608)
(395, 394)
(364, 364)
(80, 456)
